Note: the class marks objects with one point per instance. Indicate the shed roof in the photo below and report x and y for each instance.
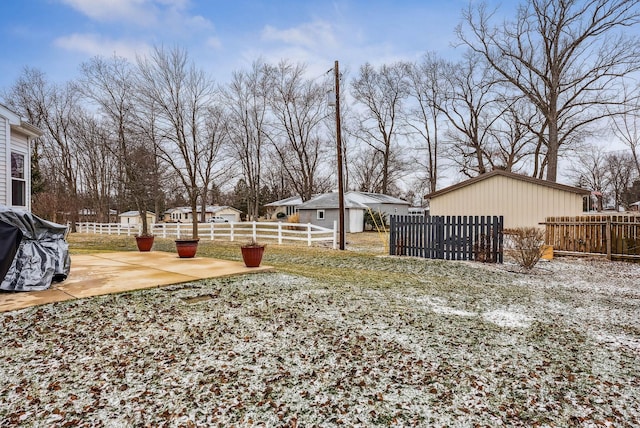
(512, 175)
(134, 214)
(292, 200)
(376, 198)
(329, 201)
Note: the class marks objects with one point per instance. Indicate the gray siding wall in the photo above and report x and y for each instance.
(330, 215)
(390, 209)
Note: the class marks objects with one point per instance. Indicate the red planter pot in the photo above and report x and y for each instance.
(252, 256)
(144, 243)
(187, 247)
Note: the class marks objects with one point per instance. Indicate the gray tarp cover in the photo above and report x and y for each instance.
(42, 256)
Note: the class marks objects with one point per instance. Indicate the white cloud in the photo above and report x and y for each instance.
(161, 14)
(140, 11)
(93, 44)
(214, 42)
(307, 35)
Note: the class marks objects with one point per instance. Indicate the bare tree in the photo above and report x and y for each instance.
(367, 173)
(181, 93)
(470, 110)
(381, 93)
(97, 164)
(110, 84)
(298, 108)
(246, 101)
(52, 108)
(159, 177)
(621, 172)
(565, 56)
(626, 126)
(426, 89)
(590, 171)
(213, 166)
(512, 142)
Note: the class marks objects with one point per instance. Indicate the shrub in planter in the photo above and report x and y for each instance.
(252, 254)
(187, 247)
(144, 242)
(526, 245)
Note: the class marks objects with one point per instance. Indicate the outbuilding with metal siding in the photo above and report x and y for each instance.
(523, 201)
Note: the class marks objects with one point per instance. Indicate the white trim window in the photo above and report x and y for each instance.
(18, 180)
(320, 214)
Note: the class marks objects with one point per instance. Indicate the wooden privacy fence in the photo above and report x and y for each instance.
(617, 236)
(447, 237)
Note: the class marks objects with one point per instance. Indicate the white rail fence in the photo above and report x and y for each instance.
(233, 231)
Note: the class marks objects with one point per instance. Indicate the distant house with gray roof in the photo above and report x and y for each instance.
(283, 207)
(323, 210)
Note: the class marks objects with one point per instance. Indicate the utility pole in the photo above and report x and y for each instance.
(339, 148)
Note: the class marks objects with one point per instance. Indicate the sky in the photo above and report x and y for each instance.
(56, 36)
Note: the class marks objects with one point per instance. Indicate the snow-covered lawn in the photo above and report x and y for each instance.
(360, 341)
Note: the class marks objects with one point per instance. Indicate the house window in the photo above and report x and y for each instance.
(18, 182)
(320, 215)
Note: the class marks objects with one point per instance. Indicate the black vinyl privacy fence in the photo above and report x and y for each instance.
(447, 237)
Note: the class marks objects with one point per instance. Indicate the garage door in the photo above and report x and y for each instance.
(230, 217)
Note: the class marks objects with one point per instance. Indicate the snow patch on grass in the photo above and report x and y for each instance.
(508, 319)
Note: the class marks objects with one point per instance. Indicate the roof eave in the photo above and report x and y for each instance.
(513, 175)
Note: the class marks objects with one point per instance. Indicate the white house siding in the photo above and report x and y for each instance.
(230, 214)
(522, 203)
(356, 221)
(4, 155)
(136, 219)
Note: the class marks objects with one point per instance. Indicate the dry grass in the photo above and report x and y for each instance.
(335, 338)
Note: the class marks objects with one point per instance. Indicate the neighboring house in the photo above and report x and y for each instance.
(225, 211)
(15, 159)
(378, 202)
(523, 201)
(418, 211)
(184, 214)
(133, 218)
(91, 215)
(323, 210)
(288, 206)
(634, 206)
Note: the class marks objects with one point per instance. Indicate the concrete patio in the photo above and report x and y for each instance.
(117, 272)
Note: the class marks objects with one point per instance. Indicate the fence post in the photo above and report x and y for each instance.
(392, 235)
(279, 233)
(608, 232)
(309, 234)
(335, 233)
(253, 230)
